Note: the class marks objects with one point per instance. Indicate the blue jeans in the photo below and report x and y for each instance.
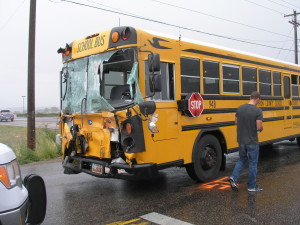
(247, 153)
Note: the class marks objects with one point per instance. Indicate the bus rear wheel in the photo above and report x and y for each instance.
(207, 159)
(298, 140)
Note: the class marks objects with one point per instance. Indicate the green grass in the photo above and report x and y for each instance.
(16, 138)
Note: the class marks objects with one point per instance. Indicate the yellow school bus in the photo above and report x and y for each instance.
(136, 102)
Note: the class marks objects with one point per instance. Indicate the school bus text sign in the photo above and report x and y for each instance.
(195, 104)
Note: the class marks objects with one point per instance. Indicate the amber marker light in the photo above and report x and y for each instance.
(4, 176)
(115, 37)
(128, 128)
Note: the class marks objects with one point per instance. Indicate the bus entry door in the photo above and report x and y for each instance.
(167, 121)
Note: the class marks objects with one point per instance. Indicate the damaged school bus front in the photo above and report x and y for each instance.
(101, 120)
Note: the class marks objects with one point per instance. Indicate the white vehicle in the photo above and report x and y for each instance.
(20, 203)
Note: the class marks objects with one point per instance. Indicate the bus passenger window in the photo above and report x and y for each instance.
(265, 82)
(231, 78)
(249, 80)
(276, 84)
(190, 75)
(295, 82)
(287, 90)
(211, 75)
(167, 82)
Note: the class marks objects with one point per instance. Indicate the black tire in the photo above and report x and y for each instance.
(190, 171)
(207, 159)
(298, 140)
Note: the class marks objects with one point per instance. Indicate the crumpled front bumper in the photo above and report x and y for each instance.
(73, 164)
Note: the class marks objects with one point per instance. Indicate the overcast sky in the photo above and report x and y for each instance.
(57, 23)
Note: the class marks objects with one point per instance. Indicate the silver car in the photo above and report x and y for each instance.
(20, 203)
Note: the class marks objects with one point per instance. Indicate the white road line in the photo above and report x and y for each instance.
(162, 219)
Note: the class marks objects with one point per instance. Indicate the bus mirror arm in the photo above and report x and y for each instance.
(153, 61)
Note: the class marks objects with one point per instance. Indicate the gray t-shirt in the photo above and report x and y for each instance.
(246, 124)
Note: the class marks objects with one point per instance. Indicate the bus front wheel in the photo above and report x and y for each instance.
(207, 159)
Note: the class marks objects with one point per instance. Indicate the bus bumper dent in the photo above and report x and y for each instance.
(102, 169)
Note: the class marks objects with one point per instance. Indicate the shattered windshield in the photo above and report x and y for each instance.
(102, 82)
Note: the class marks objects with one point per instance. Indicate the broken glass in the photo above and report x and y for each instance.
(99, 82)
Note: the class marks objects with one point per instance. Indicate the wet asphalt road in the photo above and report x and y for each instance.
(83, 199)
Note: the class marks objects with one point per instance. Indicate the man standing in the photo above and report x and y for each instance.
(249, 123)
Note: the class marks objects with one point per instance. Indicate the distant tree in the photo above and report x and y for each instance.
(46, 110)
(54, 109)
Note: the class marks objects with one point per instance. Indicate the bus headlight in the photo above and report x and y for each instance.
(10, 174)
(114, 134)
(152, 123)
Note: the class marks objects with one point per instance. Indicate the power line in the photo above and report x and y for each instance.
(290, 4)
(280, 4)
(288, 53)
(267, 41)
(109, 7)
(171, 25)
(220, 18)
(284, 44)
(11, 16)
(281, 13)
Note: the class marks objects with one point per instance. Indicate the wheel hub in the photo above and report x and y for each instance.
(208, 157)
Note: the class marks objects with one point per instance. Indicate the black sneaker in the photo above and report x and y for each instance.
(257, 188)
(234, 186)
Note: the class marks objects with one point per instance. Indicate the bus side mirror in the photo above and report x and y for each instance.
(155, 83)
(147, 108)
(154, 62)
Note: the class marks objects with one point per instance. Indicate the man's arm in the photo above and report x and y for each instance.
(259, 125)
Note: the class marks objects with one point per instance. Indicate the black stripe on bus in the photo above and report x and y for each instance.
(222, 124)
(234, 97)
(271, 108)
(207, 125)
(296, 107)
(237, 59)
(267, 142)
(296, 116)
(213, 111)
(273, 119)
(233, 110)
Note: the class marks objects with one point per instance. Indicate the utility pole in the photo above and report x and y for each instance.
(296, 24)
(31, 79)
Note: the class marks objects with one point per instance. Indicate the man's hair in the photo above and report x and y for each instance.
(255, 95)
